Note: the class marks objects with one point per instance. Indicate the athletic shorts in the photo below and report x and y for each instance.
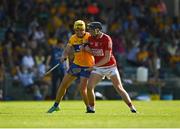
(106, 71)
(78, 71)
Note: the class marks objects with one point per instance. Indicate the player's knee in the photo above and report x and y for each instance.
(90, 87)
(120, 88)
(83, 88)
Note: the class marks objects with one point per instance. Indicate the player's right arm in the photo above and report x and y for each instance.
(68, 49)
(66, 52)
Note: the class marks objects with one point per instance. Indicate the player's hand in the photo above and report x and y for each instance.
(90, 69)
(47, 67)
(85, 41)
(62, 59)
(81, 48)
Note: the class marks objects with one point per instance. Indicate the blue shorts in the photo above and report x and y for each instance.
(78, 71)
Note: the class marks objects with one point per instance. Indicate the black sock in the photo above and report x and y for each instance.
(56, 104)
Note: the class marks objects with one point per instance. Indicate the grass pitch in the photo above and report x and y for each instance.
(109, 114)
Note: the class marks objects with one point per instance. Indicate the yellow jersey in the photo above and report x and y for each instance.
(81, 58)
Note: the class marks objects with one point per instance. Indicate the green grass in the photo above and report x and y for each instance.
(109, 114)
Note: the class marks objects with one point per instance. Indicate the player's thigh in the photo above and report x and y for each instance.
(94, 79)
(116, 80)
(83, 82)
(67, 80)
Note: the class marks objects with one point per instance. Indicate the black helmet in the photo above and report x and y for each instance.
(94, 25)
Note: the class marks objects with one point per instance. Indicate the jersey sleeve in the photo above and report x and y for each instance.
(108, 43)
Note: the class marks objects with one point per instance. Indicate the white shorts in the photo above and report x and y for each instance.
(106, 71)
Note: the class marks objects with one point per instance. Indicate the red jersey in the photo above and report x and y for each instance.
(99, 46)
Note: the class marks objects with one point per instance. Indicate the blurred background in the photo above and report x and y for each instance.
(146, 44)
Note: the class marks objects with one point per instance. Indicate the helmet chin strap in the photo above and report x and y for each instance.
(97, 33)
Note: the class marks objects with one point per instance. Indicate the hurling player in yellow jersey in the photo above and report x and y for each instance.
(82, 61)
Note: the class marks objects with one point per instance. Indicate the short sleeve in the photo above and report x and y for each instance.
(108, 43)
(71, 41)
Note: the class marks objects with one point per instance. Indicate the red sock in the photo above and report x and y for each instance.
(91, 104)
(129, 104)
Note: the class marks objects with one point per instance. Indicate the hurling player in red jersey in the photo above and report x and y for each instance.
(100, 45)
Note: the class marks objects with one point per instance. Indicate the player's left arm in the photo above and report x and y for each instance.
(105, 59)
(67, 50)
